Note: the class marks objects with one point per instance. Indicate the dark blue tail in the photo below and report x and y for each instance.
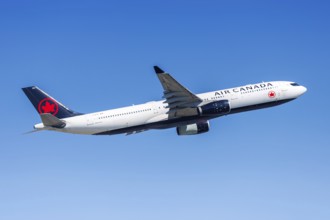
(44, 103)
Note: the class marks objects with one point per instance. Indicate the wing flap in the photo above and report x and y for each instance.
(177, 96)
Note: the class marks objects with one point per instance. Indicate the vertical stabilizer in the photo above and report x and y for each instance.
(44, 103)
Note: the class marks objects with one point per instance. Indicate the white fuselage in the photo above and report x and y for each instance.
(154, 115)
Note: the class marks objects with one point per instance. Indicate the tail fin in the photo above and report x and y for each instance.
(44, 103)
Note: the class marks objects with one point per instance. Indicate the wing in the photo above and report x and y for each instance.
(135, 132)
(181, 102)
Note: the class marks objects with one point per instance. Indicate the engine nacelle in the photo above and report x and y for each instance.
(197, 128)
(221, 107)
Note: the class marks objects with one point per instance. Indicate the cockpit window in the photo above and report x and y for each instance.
(294, 84)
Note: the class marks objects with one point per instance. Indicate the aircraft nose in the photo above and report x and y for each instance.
(303, 89)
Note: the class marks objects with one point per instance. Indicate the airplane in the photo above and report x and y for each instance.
(189, 113)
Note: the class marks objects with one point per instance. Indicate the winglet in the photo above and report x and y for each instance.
(158, 70)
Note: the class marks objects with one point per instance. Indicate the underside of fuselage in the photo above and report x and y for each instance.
(176, 122)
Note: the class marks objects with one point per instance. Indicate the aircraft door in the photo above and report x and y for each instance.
(275, 95)
(93, 119)
(235, 97)
(90, 120)
(278, 95)
(155, 108)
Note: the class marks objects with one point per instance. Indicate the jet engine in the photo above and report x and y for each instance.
(197, 128)
(221, 107)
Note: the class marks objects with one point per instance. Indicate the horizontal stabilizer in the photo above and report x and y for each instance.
(52, 121)
(33, 131)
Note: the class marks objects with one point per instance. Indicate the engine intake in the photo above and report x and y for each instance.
(221, 107)
(191, 129)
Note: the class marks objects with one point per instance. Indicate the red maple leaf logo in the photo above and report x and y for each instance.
(271, 94)
(47, 108)
(48, 105)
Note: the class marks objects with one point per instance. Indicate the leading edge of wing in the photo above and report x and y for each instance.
(177, 96)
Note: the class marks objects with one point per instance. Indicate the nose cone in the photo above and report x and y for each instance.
(302, 90)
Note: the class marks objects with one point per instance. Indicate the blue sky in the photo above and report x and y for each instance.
(97, 55)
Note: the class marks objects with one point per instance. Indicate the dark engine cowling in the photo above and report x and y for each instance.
(197, 128)
(221, 107)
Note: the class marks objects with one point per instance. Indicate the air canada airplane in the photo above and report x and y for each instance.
(189, 113)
